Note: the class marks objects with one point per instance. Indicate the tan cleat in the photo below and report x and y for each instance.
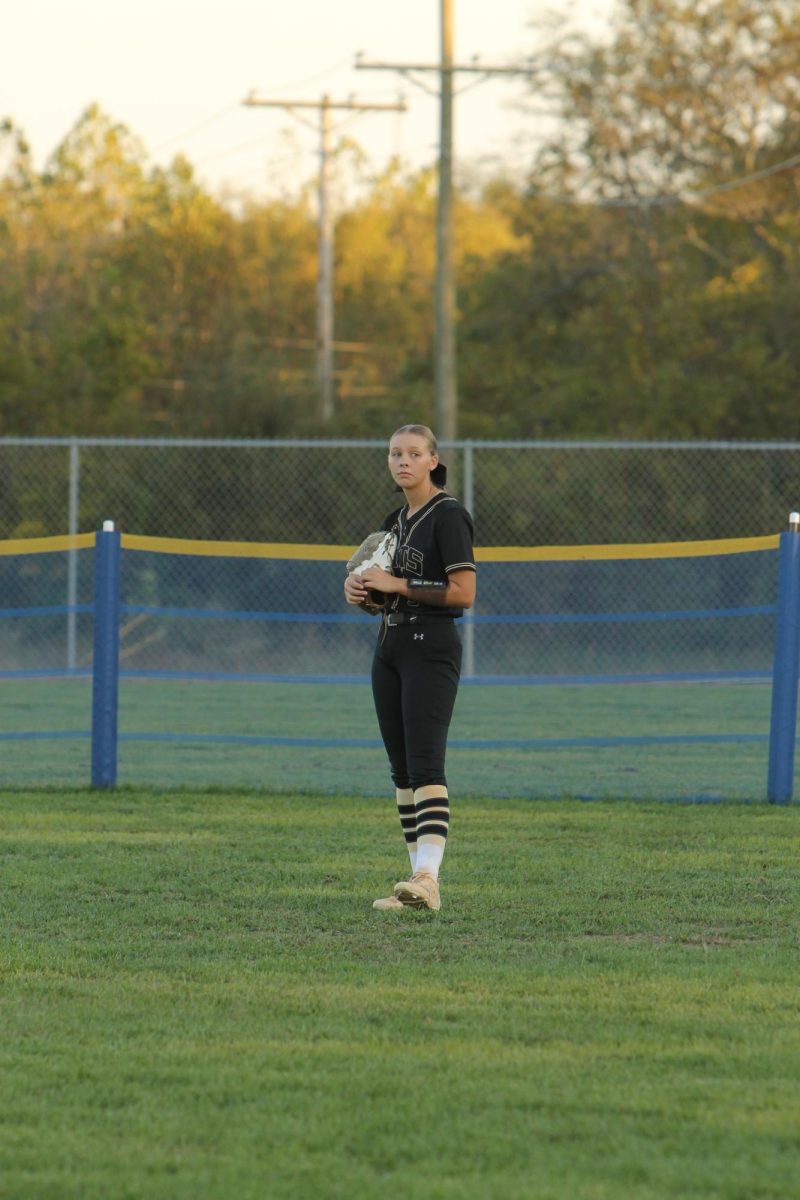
(421, 891)
(388, 903)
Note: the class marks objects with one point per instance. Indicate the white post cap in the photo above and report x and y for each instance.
(108, 526)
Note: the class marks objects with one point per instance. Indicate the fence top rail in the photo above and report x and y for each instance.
(333, 553)
(377, 443)
(510, 554)
(47, 545)
(626, 550)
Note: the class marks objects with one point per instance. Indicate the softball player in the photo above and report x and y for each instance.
(417, 661)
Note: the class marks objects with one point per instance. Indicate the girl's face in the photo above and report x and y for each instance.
(410, 460)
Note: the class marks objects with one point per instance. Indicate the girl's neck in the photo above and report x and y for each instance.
(419, 497)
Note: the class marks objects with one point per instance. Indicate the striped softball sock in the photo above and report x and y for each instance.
(432, 808)
(408, 821)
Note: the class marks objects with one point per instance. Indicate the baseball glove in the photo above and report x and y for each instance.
(377, 550)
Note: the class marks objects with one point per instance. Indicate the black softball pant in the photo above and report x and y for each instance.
(415, 674)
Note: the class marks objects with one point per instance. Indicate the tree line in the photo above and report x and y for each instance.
(643, 281)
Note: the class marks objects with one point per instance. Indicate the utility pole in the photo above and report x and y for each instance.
(446, 371)
(325, 318)
(446, 379)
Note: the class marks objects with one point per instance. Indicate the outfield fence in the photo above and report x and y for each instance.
(333, 491)
(649, 670)
(323, 491)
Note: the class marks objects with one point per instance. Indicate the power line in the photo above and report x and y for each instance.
(287, 87)
(259, 141)
(775, 169)
(195, 129)
(281, 87)
(675, 198)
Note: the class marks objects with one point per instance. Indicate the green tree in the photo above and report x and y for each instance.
(686, 93)
(16, 362)
(79, 324)
(649, 304)
(385, 270)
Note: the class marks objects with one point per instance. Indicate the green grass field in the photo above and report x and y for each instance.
(199, 1002)
(735, 770)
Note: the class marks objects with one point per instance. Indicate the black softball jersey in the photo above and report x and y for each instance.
(436, 540)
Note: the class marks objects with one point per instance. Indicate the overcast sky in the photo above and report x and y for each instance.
(176, 72)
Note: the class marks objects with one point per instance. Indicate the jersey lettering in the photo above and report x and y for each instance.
(409, 560)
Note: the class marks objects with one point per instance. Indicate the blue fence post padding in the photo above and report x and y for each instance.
(783, 719)
(105, 663)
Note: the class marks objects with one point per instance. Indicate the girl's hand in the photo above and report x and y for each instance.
(354, 590)
(381, 580)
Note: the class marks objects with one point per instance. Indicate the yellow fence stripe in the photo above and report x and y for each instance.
(48, 545)
(625, 550)
(482, 554)
(328, 553)
(133, 541)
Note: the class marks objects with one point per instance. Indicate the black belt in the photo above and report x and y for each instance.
(407, 618)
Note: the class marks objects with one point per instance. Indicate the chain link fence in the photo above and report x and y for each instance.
(242, 671)
(333, 491)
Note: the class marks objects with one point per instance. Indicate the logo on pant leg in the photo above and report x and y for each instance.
(419, 636)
